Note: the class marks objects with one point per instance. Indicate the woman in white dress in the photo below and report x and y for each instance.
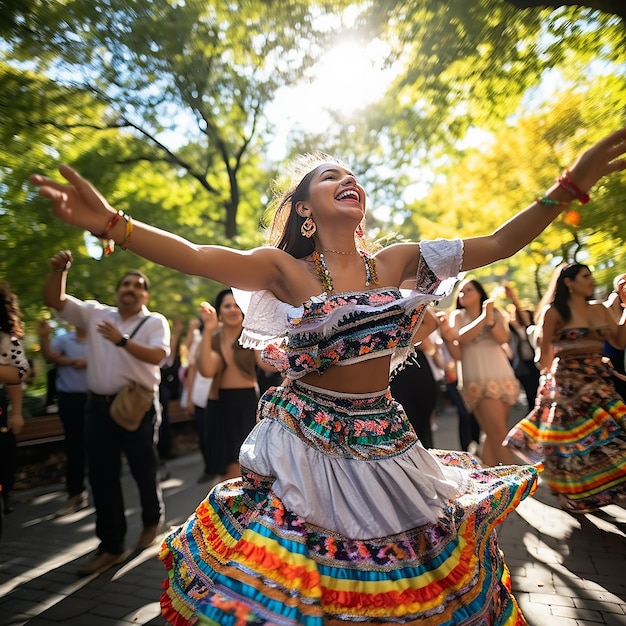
(487, 380)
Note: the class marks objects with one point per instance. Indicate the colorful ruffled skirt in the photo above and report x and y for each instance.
(343, 516)
(578, 430)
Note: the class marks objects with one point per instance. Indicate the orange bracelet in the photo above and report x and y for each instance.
(128, 233)
(111, 223)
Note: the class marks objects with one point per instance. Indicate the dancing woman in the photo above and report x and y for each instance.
(340, 515)
(233, 397)
(578, 425)
(487, 380)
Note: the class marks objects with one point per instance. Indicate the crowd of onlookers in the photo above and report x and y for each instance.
(479, 357)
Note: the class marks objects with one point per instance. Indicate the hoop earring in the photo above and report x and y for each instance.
(308, 228)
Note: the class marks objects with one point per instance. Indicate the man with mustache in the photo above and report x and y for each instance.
(124, 343)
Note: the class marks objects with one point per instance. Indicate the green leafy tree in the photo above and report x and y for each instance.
(158, 103)
(161, 103)
(188, 82)
(471, 64)
(488, 183)
(615, 7)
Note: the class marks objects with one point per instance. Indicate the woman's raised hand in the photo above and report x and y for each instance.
(604, 157)
(61, 261)
(209, 317)
(77, 202)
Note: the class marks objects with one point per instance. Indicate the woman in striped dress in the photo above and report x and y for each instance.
(578, 425)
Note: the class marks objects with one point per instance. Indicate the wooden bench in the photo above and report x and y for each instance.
(41, 429)
(47, 428)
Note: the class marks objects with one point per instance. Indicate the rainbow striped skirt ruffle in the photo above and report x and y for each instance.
(246, 557)
(578, 430)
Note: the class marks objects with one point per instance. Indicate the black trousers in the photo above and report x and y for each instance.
(469, 430)
(8, 447)
(414, 387)
(72, 414)
(164, 445)
(207, 440)
(105, 442)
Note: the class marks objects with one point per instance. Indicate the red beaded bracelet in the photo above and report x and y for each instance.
(112, 222)
(572, 188)
(110, 243)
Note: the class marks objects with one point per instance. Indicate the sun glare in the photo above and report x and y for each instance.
(350, 76)
(346, 78)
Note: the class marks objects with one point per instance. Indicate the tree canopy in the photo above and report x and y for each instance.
(162, 104)
(615, 7)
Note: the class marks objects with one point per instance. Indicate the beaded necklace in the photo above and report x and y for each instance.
(371, 274)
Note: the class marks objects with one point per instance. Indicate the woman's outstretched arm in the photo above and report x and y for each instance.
(605, 157)
(80, 204)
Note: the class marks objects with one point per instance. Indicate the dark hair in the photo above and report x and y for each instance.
(10, 313)
(138, 273)
(479, 288)
(561, 291)
(219, 299)
(292, 241)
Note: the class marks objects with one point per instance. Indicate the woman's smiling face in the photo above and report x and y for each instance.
(335, 188)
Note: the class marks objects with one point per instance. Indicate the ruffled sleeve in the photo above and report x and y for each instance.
(439, 266)
(265, 318)
(437, 273)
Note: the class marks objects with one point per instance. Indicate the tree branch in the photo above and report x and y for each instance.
(173, 158)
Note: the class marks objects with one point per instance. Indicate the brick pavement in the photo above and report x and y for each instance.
(566, 570)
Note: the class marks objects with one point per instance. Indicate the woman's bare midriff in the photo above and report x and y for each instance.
(365, 377)
(234, 379)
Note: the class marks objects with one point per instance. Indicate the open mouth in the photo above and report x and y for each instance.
(349, 194)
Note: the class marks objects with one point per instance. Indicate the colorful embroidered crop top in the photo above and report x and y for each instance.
(344, 328)
(578, 339)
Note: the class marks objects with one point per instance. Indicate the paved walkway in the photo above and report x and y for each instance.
(566, 570)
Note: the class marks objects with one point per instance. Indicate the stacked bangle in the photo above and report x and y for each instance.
(128, 232)
(572, 188)
(109, 244)
(112, 222)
